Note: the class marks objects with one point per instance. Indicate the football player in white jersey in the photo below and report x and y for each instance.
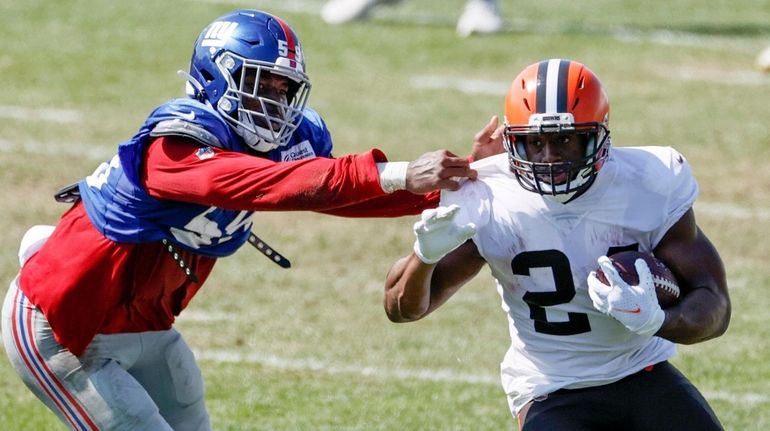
(541, 215)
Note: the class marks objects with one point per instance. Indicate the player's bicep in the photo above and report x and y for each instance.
(169, 169)
(704, 310)
(177, 168)
(453, 271)
(691, 256)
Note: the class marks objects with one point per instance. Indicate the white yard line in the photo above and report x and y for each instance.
(32, 114)
(746, 77)
(722, 209)
(437, 375)
(680, 38)
(466, 86)
(426, 374)
(90, 152)
(499, 88)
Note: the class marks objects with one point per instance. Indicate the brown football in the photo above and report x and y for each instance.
(666, 286)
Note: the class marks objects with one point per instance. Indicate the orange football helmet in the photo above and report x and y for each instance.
(564, 97)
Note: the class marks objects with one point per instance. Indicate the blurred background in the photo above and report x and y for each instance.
(310, 348)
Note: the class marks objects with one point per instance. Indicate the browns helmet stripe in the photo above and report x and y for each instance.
(552, 78)
(542, 76)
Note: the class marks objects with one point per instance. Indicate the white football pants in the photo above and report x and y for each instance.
(132, 381)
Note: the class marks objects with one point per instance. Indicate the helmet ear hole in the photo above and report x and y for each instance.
(207, 75)
(590, 144)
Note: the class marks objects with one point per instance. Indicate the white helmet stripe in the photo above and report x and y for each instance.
(552, 79)
(552, 85)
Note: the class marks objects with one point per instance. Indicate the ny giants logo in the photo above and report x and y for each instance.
(218, 33)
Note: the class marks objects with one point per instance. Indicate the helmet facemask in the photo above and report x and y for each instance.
(263, 122)
(563, 180)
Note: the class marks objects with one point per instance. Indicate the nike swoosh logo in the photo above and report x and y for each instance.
(636, 310)
(189, 116)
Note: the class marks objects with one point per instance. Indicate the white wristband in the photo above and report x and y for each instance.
(392, 175)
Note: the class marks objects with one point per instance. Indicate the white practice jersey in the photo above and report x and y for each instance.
(541, 251)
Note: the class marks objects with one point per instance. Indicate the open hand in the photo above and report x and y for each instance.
(437, 170)
(488, 141)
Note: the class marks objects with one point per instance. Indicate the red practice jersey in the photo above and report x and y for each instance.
(86, 284)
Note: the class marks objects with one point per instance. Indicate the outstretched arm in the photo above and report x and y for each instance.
(174, 170)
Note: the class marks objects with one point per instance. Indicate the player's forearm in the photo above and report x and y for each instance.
(407, 289)
(703, 314)
(313, 185)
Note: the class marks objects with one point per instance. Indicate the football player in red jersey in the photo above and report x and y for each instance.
(88, 323)
(541, 216)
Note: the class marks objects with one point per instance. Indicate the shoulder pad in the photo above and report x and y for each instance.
(192, 119)
(180, 127)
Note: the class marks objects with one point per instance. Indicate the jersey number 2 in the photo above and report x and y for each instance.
(577, 323)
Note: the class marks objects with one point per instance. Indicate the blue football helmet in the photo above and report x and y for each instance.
(232, 57)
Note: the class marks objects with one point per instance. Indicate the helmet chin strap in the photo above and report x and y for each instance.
(254, 141)
(575, 185)
(562, 198)
(252, 135)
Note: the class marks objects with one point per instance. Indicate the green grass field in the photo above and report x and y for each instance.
(310, 348)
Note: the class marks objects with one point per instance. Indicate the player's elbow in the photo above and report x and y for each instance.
(722, 316)
(396, 318)
(724, 322)
(710, 327)
(404, 318)
(399, 311)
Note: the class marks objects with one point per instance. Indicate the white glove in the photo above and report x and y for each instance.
(438, 234)
(636, 307)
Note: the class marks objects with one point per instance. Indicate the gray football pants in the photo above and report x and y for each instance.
(131, 381)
